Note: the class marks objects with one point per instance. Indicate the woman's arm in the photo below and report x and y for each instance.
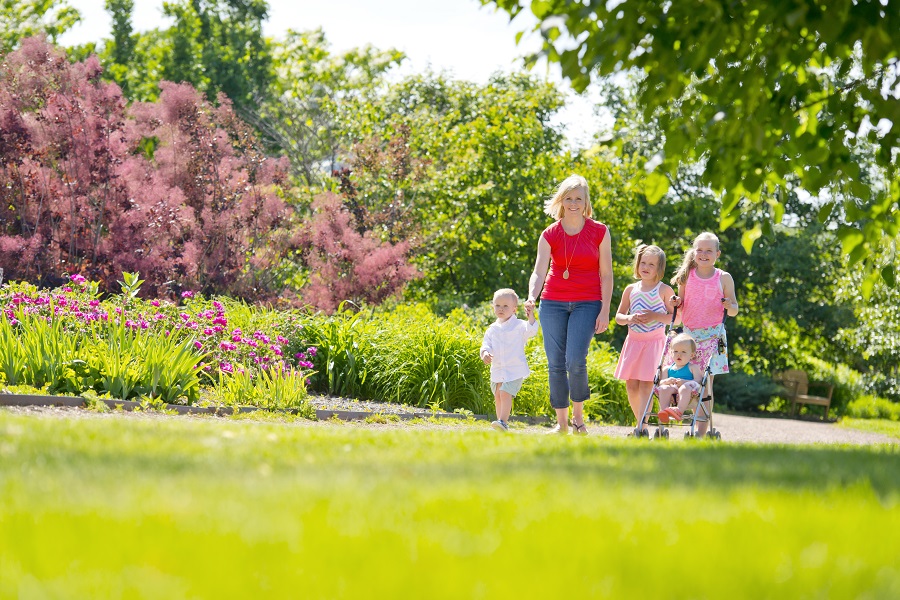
(541, 266)
(606, 282)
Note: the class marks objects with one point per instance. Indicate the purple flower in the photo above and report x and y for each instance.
(311, 351)
(187, 294)
(226, 367)
(154, 303)
(198, 345)
(76, 278)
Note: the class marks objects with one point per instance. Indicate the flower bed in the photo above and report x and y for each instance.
(70, 340)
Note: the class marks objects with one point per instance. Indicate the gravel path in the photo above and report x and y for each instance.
(734, 428)
(764, 430)
(767, 430)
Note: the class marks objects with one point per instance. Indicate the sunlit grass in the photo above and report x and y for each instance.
(119, 506)
(882, 426)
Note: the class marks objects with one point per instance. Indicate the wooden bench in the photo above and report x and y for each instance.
(797, 384)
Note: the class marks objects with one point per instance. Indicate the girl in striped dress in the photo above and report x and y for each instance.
(645, 307)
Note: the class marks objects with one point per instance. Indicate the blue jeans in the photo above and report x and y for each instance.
(568, 330)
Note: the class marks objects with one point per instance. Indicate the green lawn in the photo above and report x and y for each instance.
(121, 507)
(882, 426)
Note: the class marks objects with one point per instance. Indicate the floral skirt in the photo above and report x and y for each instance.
(707, 340)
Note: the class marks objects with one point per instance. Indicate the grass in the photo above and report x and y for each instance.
(111, 505)
(882, 426)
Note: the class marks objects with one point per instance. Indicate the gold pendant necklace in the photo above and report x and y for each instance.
(566, 251)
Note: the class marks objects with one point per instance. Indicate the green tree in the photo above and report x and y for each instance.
(466, 168)
(312, 91)
(24, 18)
(766, 94)
(215, 45)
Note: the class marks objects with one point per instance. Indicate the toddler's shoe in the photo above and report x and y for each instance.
(663, 416)
(675, 413)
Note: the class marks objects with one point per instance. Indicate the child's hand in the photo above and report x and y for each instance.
(676, 301)
(529, 311)
(487, 357)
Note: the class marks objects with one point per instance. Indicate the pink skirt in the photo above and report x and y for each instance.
(641, 355)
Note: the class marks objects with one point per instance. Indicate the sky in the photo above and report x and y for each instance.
(460, 37)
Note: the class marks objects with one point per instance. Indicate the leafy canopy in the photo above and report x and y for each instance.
(770, 95)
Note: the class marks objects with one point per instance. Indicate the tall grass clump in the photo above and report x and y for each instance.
(427, 361)
(344, 351)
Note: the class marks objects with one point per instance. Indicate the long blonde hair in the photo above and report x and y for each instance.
(650, 250)
(689, 262)
(554, 205)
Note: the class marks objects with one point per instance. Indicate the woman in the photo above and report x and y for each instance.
(574, 270)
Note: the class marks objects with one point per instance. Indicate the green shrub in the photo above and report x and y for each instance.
(426, 361)
(873, 407)
(609, 400)
(743, 392)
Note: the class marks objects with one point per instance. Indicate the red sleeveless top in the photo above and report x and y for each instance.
(580, 253)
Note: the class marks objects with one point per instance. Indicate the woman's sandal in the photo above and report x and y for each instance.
(579, 429)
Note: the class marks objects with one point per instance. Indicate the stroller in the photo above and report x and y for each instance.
(701, 414)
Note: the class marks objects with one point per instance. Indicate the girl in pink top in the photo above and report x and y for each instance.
(703, 293)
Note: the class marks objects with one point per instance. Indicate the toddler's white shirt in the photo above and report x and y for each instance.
(506, 342)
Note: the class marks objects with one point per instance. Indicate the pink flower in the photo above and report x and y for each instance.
(226, 367)
(198, 345)
(187, 294)
(154, 303)
(76, 278)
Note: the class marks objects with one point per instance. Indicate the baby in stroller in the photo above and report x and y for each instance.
(681, 379)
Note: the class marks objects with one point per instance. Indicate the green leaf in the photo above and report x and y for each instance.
(888, 275)
(749, 237)
(825, 211)
(850, 238)
(656, 185)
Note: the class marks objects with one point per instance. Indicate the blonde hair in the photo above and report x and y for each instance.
(506, 292)
(650, 250)
(554, 205)
(684, 338)
(689, 262)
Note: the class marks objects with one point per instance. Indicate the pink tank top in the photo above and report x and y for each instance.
(702, 301)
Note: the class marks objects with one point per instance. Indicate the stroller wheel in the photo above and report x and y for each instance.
(688, 435)
(714, 434)
(665, 434)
